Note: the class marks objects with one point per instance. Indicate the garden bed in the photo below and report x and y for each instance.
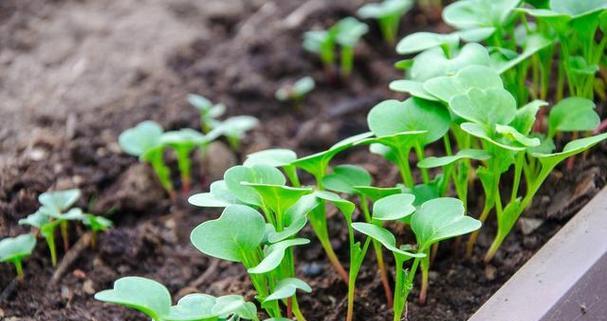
(244, 55)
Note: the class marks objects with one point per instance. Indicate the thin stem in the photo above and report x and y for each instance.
(403, 166)
(518, 168)
(472, 240)
(65, 235)
(347, 60)
(318, 221)
(50, 241)
(296, 311)
(19, 268)
(419, 152)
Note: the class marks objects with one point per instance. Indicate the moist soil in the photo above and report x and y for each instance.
(239, 54)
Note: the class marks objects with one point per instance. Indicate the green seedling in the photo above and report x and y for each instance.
(209, 112)
(266, 262)
(57, 203)
(296, 92)
(145, 142)
(405, 126)
(388, 14)
(435, 220)
(317, 165)
(235, 128)
(277, 157)
(349, 32)
(154, 300)
(97, 224)
(15, 249)
(322, 43)
(184, 142)
(354, 180)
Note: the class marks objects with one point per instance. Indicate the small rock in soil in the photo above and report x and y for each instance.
(218, 159)
(312, 269)
(88, 288)
(528, 225)
(490, 272)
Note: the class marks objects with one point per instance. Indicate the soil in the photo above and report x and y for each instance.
(75, 73)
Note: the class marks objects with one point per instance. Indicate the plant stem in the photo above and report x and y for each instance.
(419, 152)
(347, 59)
(50, 241)
(19, 267)
(423, 293)
(65, 235)
(296, 310)
(472, 240)
(403, 166)
(318, 220)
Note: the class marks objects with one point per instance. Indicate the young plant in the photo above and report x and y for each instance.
(322, 43)
(295, 92)
(235, 128)
(240, 235)
(276, 157)
(209, 112)
(388, 14)
(183, 142)
(145, 142)
(15, 249)
(97, 224)
(154, 300)
(434, 221)
(349, 32)
(55, 204)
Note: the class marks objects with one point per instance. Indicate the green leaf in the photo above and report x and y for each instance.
(421, 41)
(475, 34)
(60, 200)
(394, 207)
(271, 157)
(96, 223)
(412, 87)
(478, 13)
(485, 106)
(484, 133)
(218, 196)
(16, 248)
(386, 238)
(434, 63)
(195, 306)
(344, 206)
(576, 7)
(440, 219)
(144, 295)
(199, 102)
(183, 137)
(375, 193)
(533, 44)
(384, 9)
(574, 147)
(513, 135)
(286, 288)
(236, 126)
(37, 219)
(349, 31)
(573, 114)
(447, 87)
(260, 174)
(278, 198)
(225, 237)
(345, 177)
(274, 255)
(432, 162)
(392, 117)
(140, 139)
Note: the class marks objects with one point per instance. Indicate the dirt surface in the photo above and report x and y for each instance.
(75, 73)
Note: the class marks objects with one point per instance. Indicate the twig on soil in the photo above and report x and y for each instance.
(70, 257)
(299, 15)
(8, 290)
(193, 286)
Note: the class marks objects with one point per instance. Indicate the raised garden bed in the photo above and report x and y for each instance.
(238, 54)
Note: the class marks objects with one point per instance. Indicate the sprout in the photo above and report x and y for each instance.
(388, 14)
(349, 32)
(209, 112)
(96, 224)
(154, 300)
(297, 91)
(235, 128)
(434, 221)
(145, 141)
(322, 43)
(184, 141)
(15, 249)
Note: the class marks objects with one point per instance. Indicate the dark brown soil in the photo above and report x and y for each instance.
(243, 54)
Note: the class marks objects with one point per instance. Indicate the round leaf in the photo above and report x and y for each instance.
(271, 157)
(274, 255)
(59, 200)
(138, 140)
(573, 114)
(385, 238)
(260, 174)
(394, 207)
(16, 248)
(485, 106)
(345, 177)
(286, 288)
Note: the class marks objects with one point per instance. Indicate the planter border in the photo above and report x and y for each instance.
(565, 280)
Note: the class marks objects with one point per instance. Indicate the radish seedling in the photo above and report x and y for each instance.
(145, 141)
(276, 157)
(235, 128)
(388, 14)
(96, 224)
(435, 220)
(154, 300)
(349, 32)
(15, 249)
(183, 142)
(322, 43)
(296, 92)
(209, 112)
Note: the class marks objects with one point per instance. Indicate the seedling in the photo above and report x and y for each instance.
(296, 92)
(56, 203)
(349, 32)
(183, 142)
(209, 112)
(322, 43)
(145, 142)
(96, 224)
(225, 238)
(235, 128)
(436, 220)
(276, 157)
(154, 300)
(388, 14)
(15, 249)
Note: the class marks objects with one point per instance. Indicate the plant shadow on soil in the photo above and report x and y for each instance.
(242, 64)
